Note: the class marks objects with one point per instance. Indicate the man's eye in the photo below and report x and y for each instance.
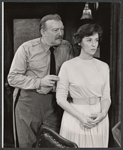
(55, 30)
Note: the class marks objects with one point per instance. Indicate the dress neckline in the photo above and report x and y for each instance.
(85, 59)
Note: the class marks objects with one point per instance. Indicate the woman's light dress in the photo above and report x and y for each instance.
(84, 79)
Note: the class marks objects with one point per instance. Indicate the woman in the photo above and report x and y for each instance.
(85, 119)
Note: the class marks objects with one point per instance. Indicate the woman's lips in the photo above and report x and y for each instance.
(93, 49)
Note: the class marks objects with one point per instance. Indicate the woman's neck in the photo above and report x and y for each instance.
(85, 56)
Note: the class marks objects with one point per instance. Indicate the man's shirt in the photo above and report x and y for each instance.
(32, 62)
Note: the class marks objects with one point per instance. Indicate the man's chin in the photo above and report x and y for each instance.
(57, 42)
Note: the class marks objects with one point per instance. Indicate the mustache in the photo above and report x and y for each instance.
(59, 37)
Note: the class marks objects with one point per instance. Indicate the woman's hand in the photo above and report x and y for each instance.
(87, 122)
(98, 117)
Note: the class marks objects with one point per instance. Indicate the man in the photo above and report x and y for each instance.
(30, 72)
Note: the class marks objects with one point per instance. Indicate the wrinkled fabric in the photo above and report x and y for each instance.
(84, 79)
(30, 64)
(32, 111)
(72, 129)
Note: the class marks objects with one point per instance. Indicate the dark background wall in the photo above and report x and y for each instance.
(70, 14)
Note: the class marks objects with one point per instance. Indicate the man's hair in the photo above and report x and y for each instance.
(87, 30)
(46, 18)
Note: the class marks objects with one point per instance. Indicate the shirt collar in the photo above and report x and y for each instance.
(45, 46)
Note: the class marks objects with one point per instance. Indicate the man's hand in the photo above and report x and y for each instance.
(44, 90)
(49, 80)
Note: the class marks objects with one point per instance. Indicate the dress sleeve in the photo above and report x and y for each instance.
(17, 75)
(62, 84)
(106, 88)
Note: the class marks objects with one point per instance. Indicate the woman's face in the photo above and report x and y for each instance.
(89, 44)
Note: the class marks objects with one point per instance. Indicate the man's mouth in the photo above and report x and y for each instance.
(59, 38)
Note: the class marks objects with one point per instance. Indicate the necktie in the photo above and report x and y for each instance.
(52, 62)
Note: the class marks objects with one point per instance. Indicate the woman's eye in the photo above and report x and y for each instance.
(89, 40)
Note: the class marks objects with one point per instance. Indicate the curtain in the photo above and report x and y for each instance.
(115, 64)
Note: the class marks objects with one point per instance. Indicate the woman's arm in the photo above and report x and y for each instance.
(105, 99)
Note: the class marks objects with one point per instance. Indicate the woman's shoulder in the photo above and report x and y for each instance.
(101, 63)
(69, 62)
(73, 60)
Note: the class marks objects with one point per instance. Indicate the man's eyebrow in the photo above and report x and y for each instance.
(57, 28)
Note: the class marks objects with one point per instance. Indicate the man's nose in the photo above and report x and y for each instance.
(60, 32)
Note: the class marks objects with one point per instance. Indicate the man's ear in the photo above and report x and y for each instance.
(42, 32)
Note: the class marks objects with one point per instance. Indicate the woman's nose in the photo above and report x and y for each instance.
(93, 43)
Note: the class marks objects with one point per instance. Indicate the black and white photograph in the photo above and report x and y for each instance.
(61, 76)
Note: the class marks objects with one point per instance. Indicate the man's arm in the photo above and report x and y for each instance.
(17, 75)
(66, 53)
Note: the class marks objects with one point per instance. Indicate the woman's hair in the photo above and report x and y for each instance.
(85, 31)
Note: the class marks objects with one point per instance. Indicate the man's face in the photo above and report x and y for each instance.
(53, 32)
